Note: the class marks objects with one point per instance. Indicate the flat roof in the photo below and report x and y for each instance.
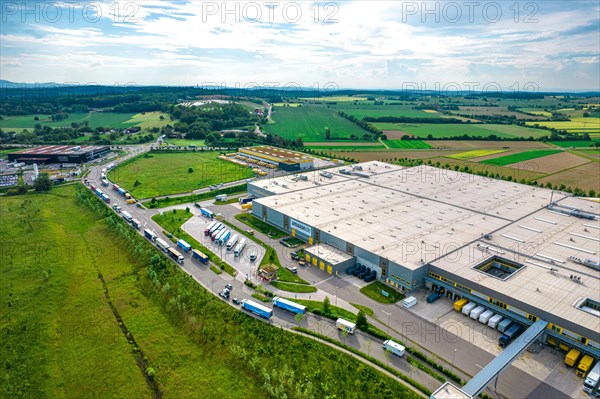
(406, 215)
(449, 391)
(329, 253)
(60, 150)
(279, 154)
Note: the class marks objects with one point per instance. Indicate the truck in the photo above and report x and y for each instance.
(207, 213)
(458, 305)
(468, 307)
(240, 247)
(584, 366)
(289, 305)
(393, 347)
(173, 253)
(504, 325)
(210, 226)
(127, 216)
(224, 237)
(162, 244)
(345, 325)
(510, 334)
(136, 223)
(232, 241)
(200, 256)
(116, 187)
(92, 187)
(221, 197)
(217, 234)
(122, 191)
(150, 235)
(215, 227)
(486, 316)
(127, 195)
(105, 198)
(475, 313)
(184, 245)
(105, 183)
(592, 379)
(98, 192)
(495, 320)
(245, 200)
(572, 357)
(257, 309)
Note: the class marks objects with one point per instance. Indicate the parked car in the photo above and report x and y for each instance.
(224, 294)
(251, 232)
(434, 296)
(294, 256)
(229, 287)
(236, 301)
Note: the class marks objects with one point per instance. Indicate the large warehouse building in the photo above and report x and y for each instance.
(523, 251)
(282, 158)
(59, 154)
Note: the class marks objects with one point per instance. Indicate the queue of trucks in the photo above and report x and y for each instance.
(257, 308)
(289, 305)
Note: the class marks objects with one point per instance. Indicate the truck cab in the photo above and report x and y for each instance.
(509, 335)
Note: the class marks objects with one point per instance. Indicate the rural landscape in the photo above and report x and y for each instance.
(300, 200)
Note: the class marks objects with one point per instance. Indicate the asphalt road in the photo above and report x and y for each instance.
(469, 358)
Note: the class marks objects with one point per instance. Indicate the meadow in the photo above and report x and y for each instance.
(475, 154)
(94, 119)
(165, 173)
(577, 144)
(416, 144)
(310, 122)
(362, 110)
(519, 157)
(184, 142)
(445, 130)
(575, 125)
(347, 147)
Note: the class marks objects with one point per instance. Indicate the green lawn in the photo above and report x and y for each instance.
(475, 154)
(184, 142)
(292, 242)
(519, 157)
(310, 123)
(416, 144)
(444, 130)
(374, 289)
(94, 119)
(148, 120)
(347, 147)
(5, 152)
(164, 173)
(259, 225)
(566, 144)
(293, 287)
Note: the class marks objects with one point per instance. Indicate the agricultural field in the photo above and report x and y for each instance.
(584, 176)
(162, 173)
(184, 142)
(94, 119)
(360, 111)
(575, 125)
(409, 144)
(520, 157)
(575, 144)
(459, 129)
(379, 147)
(476, 154)
(536, 111)
(310, 122)
(5, 151)
(487, 144)
(551, 163)
(336, 98)
(489, 111)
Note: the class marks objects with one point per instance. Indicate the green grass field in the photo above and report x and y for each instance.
(184, 142)
(578, 144)
(259, 225)
(347, 147)
(575, 125)
(310, 123)
(6, 151)
(416, 144)
(362, 110)
(164, 173)
(94, 119)
(475, 154)
(519, 157)
(455, 130)
(374, 289)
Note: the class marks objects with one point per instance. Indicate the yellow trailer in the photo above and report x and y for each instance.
(572, 357)
(131, 201)
(585, 365)
(458, 305)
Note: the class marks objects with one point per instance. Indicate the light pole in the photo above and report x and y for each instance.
(388, 323)
(453, 354)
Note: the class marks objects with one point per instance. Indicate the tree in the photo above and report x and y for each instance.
(43, 182)
(326, 305)
(190, 170)
(299, 142)
(327, 134)
(361, 321)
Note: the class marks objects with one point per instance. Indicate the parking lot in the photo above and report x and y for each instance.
(547, 365)
(8, 180)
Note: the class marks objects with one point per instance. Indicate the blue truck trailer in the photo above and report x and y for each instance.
(200, 256)
(184, 245)
(207, 213)
(510, 334)
(257, 309)
(289, 305)
(122, 191)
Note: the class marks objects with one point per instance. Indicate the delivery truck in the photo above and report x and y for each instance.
(468, 307)
(184, 245)
(210, 226)
(289, 305)
(393, 347)
(162, 244)
(232, 241)
(257, 309)
(478, 311)
(127, 216)
(495, 320)
(504, 325)
(240, 247)
(345, 325)
(207, 213)
(199, 256)
(105, 183)
(173, 253)
(584, 366)
(150, 235)
(486, 316)
(509, 335)
(216, 227)
(592, 379)
(218, 235)
(122, 191)
(136, 223)
(245, 200)
(224, 237)
(572, 357)
(221, 197)
(116, 187)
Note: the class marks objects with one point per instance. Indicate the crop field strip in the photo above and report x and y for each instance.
(519, 157)
(476, 154)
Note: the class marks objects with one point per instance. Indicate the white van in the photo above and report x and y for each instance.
(468, 307)
(475, 313)
(486, 316)
(409, 302)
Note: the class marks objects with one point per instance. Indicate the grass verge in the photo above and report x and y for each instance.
(291, 287)
(374, 289)
(259, 225)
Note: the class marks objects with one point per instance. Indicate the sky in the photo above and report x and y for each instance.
(429, 45)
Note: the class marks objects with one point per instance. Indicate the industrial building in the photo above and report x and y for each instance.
(59, 154)
(282, 158)
(526, 252)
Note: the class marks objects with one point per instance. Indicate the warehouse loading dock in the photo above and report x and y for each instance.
(329, 259)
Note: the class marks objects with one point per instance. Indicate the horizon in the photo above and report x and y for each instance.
(349, 45)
